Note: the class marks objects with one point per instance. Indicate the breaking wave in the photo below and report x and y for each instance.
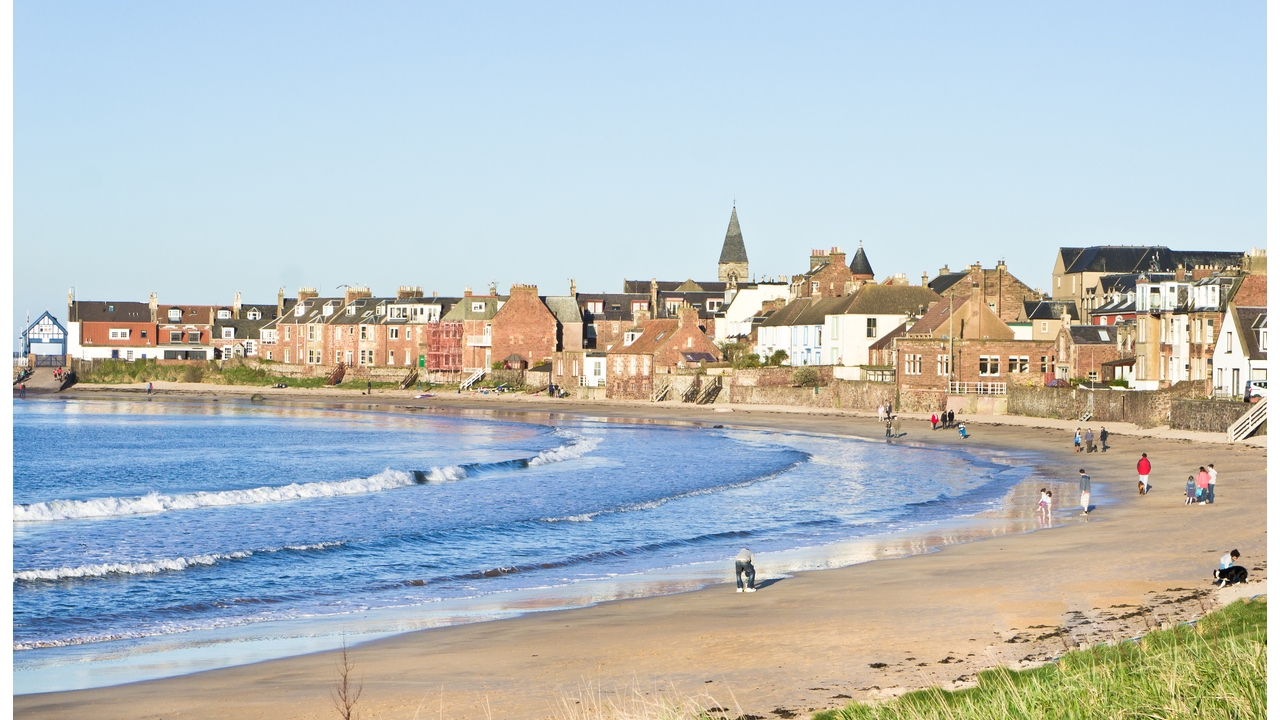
(154, 566)
(388, 479)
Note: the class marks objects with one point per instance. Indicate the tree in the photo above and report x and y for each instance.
(804, 377)
(344, 694)
(777, 358)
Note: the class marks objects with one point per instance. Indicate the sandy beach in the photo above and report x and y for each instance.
(803, 642)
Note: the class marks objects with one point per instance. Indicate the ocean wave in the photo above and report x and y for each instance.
(154, 566)
(389, 479)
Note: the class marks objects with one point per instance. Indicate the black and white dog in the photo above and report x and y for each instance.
(1231, 576)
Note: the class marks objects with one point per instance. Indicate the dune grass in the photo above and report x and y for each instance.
(1214, 669)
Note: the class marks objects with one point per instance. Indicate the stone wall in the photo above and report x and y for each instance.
(838, 394)
(1206, 415)
(778, 376)
(1144, 409)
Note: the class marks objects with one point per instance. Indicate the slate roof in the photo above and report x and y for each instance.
(312, 311)
(734, 251)
(564, 307)
(614, 306)
(642, 286)
(696, 299)
(360, 311)
(860, 265)
(1252, 319)
(245, 328)
(891, 300)
(105, 311)
(1092, 334)
(1134, 259)
(787, 314)
(945, 282)
(462, 310)
(888, 338)
(1050, 309)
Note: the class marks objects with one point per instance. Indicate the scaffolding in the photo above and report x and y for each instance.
(443, 342)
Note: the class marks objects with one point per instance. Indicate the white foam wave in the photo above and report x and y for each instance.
(157, 503)
(152, 567)
(576, 448)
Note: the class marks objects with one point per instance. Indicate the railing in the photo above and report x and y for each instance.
(409, 380)
(881, 376)
(690, 393)
(1247, 423)
(710, 390)
(475, 377)
(336, 376)
(977, 388)
(479, 341)
(660, 392)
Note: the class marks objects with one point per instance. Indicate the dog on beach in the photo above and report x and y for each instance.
(1231, 576)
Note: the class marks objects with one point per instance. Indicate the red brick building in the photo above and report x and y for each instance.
(997, 289)
(656, 347)
(1083, 350)
(829, 276)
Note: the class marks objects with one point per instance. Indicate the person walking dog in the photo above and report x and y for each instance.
(1144, 471)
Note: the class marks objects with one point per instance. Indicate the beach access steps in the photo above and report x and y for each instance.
(409, 380)
(710, 390)
(474, 378)
(336, 376)
(690, 393)
(660, 391)
(1248, 423)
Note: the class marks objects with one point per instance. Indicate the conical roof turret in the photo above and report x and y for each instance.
(860, 265)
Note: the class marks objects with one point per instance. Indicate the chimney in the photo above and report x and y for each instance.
(435, 294)
(235, 306)
(154, 305)
(688, 315)
(493, 289)
(573, 287)
(924, 279)
(280, 302)
(355, 292)
(1180, 273)
(306, 293)
(466, 292)
(837, 256)
(213, 315)
(408, 291)
(71, 301)
(653, 297)
(816, 258)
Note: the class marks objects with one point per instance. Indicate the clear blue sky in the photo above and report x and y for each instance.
(196, 149)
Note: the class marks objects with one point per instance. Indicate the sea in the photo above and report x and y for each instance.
(160, 537)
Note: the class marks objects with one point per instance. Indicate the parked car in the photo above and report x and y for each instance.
(1255, 388)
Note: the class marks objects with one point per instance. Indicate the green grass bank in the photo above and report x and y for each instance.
(1214, 669)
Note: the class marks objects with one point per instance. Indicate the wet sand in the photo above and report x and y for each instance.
(802, 642)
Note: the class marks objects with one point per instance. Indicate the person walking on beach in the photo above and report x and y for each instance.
(1202, 485)
(744, 563)
(1044, 509)
(880, 413)
(1191, 490)
(888, 429)
(1213, 482)
(1077, 440)
(149, 388)
(1144, 470)
(1102, 437)
(933, 420)
(951, 418)
(1084, 491)
(897, 427)
(1088, 441)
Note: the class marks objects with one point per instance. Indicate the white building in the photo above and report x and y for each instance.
(1240, 354)
(799, 330)
(874, 312)
(734, 321)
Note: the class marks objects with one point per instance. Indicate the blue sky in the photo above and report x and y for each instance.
(196, 149)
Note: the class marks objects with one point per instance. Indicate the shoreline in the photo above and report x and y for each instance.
(528, 690)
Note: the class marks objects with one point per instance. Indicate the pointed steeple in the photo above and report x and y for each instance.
(734, 251)
(860, 266)
(733, 256)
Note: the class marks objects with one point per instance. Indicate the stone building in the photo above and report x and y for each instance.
(656, 347)
(525, 327)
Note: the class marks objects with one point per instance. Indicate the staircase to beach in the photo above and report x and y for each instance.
(475, 377)
(409, 380)
(1248, 423)
(336, 376)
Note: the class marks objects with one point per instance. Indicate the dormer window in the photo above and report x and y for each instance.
(631, 336)
(329, 307)
(381, 310)
(351, 310)
(175, 314)
(254, 314)
(224, 314)
(477, 307)
(595, 306)
(298, 310)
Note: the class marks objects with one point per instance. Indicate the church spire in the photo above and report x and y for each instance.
(733, 255)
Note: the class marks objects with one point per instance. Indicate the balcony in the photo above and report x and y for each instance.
(479, 341)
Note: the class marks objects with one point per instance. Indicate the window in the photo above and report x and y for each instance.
(633, 364)
(408, 333)
(119, 333)
(630, 337)
(871, 327)
(1044, 363)
(944, 365)
(617, 365)
(288, 330)
(639, 305)
(286, 355)
(268, 336)
(175, 336)
(1262, 340)
(1093, 376)
(312, 332)
(595, 306)
(144, 334)
(271, 355)
(1019, 364)
(337, 356)
(714, 305)
(393, 333)
(254, 314)
(364, 332)
(313, 357)
(814, 286)
(391, 357)
(477, 307)
(597, 368)
(989, 365)
(1142, 330)
(298, 310)
(672, 306)
(175, 314)
(250, 347)
(1044, 326)
(366, 357)
(224, 314)
(349, 356)
(193, 338)
(351, 310)
(646, 365)
(1208, 334)
(912, 364)
(128, 355)
(1227, 338)
(228, 333)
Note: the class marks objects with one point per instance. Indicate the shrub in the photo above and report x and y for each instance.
(804, 377)
(1122, 383)
(777, 358)
(192, 374)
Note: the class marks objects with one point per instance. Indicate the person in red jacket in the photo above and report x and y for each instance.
(1144, 469)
